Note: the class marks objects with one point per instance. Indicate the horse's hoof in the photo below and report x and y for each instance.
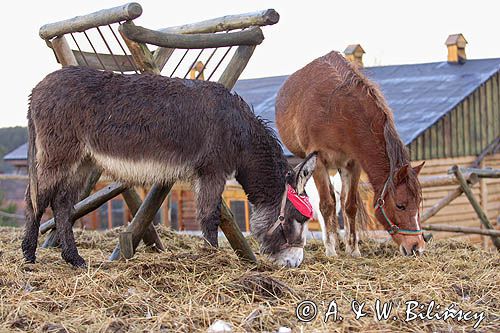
(330, 252)
(355, 253)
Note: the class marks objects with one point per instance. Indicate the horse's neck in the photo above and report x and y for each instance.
(373, 155)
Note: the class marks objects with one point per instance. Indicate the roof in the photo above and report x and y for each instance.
(20, 153)
(418, 94)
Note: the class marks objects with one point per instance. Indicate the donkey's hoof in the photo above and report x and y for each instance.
(29, 260)
(75, 261)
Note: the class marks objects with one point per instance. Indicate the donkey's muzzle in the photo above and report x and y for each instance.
(289, 257)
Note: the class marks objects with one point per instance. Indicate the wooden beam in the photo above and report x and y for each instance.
(477, 207)
(252, 36)
(89, 204)
(465, 230)
(143, 58)
(90, 59)
(430, 212)
(144, 216)
(63, 53)
(126, 12)
(236, 66)
(481, 173)
(234, 235)
(227, 23)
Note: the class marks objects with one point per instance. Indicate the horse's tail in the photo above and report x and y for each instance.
(362, 217)
(32, 165)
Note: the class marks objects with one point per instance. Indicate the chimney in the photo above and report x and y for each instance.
(456, 48)
(354, 53)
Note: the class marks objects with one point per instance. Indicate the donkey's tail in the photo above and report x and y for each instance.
(32, 165)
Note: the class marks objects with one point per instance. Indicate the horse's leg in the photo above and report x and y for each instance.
(30, 240)
(63, 202)
(351, 175)
(208, 206)
(327, 207)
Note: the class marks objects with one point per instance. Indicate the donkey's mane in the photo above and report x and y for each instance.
(349, 76)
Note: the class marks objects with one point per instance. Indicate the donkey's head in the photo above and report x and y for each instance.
(397, 207)
(283, 238)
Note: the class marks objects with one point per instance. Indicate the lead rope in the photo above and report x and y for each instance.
(393, 228)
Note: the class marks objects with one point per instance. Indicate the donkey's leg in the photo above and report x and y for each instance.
(350, 176)
(327, 207)
(30, 240)
(63, 202)
(208, 206)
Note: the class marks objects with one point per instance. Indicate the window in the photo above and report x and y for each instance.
(238, 209)
(103, 216)
(117, 213)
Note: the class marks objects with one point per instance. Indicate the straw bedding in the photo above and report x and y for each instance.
(191, 285)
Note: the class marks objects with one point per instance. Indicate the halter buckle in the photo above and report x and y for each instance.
(380, 202)
(394, 229)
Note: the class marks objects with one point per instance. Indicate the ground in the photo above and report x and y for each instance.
(190, 286)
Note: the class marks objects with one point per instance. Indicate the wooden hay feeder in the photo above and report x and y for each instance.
(212, 40)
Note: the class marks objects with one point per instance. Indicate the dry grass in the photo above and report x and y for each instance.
(190, 286)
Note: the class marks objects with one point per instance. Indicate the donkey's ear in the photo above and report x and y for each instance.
(418, 168)
(304, 171)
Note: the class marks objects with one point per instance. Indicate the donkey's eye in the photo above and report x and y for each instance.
(400, 207)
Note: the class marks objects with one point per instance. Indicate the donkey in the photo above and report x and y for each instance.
(145, 129)
(330, 107)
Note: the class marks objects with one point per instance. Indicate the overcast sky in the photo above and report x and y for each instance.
(391, 32)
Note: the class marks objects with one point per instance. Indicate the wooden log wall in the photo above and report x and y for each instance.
(467, 129)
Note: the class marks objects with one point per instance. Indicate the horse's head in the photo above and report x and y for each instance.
(397, 207)
(284, 239)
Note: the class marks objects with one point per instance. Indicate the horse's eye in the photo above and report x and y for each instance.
(400, 207)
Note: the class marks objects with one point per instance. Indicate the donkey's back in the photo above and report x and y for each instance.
(138, 128)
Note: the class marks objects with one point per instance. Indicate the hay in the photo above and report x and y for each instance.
(191, 286)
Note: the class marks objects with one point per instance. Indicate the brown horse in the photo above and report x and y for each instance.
(331, 108)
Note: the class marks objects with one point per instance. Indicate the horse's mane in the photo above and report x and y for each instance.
(349, 76)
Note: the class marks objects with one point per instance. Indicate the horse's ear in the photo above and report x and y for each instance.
(418, 168)
(401, 174)
(304, 171)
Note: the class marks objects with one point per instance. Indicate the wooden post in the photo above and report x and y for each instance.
(236, 66)
(150, 237)
(63, 53)
(480, 213)
(126, 246)
(234, 235)
(145, 214)
(484, 203)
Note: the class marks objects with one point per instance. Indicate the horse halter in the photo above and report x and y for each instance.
(281, 221)
(393, 228)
